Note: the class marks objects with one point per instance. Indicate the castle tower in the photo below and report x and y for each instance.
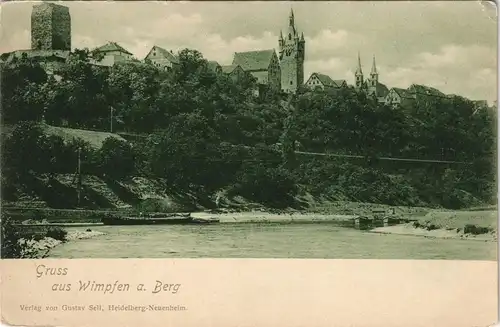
(373, 81)
(291, 55)
(359, 75)
(50, 27)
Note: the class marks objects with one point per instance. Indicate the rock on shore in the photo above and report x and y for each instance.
(40, 249)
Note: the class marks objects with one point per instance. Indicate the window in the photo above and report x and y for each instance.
(291, 82)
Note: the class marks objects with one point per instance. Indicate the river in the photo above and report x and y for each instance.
(268, 240)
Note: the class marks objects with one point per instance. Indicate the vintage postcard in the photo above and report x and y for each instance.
(249, 163)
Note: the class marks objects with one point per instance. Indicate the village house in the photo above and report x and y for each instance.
(322, 81)
(110, 54)
(161, 58)
(399, 98)
(215, 67)
(263, 65)
(422, 92)
(234, 72)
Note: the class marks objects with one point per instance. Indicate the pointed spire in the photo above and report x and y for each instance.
(374, 66)
(358, 70)
(291, 24)
(281, 35)
(302, 36)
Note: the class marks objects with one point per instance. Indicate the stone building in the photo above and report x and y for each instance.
(50, 27)
(215, 67)
(50, 60)
(263, 65)
(161, 58)
(112, 53)
(322, 81)
(423, 92)
(291, 55)
(234, 72)
(399, 98)
(371, 86)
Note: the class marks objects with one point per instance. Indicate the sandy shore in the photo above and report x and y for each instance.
(409, 229)
(257, 216)
(41, 248)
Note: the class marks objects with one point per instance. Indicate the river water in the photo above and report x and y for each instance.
(266, 240)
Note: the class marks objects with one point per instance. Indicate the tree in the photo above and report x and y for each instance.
(116, 158)
(21, 97)
(187, 154)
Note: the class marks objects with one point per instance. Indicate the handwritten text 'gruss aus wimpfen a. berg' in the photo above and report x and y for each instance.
(43, 271)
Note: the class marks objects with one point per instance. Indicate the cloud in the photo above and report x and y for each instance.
(334, 67)
(466, 70)
(328, 40)
(214, 47)
(454, 55)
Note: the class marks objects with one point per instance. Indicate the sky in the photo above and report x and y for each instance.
(448, 45)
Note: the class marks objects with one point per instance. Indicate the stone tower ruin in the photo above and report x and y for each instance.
(50, 27)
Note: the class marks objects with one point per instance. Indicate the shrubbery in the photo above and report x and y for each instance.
(11, 248)
(57, 233)
(271, 186)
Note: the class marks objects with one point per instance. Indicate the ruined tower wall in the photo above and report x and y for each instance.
(50, 27)
(61, 24)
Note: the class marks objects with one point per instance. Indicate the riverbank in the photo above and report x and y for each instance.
(410, 230)
(472, 224)
(266, 217)
(37, 249)
(467, 225)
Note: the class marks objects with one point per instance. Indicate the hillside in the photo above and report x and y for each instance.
(143, 194)
(207, 133)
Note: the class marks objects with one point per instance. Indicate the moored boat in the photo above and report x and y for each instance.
(180, 219)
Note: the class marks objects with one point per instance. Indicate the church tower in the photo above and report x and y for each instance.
(373, 81)
(291, 54)
(359, 75)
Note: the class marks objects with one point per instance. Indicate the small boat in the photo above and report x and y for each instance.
(205, 221)
(179, 219)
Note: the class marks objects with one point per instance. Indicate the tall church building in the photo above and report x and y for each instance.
(370, 86)
(50, 27)
(291, 55)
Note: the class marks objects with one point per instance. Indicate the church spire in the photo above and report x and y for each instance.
(374, 66)
(359, 71)
(292, 32)
(359, 75)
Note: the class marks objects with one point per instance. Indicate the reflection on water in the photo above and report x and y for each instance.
(266, 241)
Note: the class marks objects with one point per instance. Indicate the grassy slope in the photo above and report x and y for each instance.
(96, 139)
